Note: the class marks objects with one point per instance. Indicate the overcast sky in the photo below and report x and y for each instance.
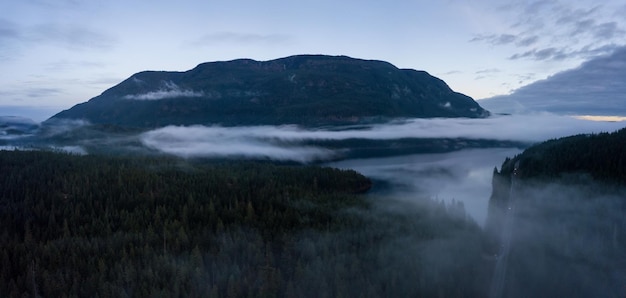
(57, 53)
(597, 88)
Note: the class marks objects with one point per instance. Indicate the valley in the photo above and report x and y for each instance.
(308, 176)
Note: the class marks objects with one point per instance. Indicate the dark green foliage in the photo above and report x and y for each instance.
(90, 226)
(306, 90)
(601, 156)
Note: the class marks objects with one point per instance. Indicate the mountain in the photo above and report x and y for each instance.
(304, 89)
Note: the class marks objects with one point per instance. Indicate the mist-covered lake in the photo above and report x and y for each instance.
(463, 176)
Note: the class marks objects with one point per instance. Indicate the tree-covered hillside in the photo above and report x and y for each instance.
(308, 90)
(602, 156)
(93, 226)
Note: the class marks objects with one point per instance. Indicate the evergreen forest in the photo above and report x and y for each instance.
(601, 157)
(103, 226)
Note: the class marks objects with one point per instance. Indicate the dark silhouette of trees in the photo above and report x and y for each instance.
(89, 226)
(599, 156)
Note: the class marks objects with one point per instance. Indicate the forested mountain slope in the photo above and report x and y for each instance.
(601, 156)
(304, 89)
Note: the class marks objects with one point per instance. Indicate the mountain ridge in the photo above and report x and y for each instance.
(303, 89)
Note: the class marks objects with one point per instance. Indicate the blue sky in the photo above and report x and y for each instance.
(57, 53)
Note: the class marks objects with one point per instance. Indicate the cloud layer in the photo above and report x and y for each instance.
(558, 30)
(250, 142)
(65, 35)
(287, 142)
(597, 87)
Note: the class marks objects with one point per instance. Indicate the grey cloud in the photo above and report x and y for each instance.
(582, 26)
(42, 92)
(558, 30)
(537, 6)
(620, 12)
(495, 39)
(489, 70)
(503, 39)
(542, 54)
(529, 14)
(484, 73)
(549, 53)
(71, 36)
(582, 23)
(608, 30)
(242, 38)
(592, 51)
(596, 87)
(527, 41)
(477, 38)
(567, 15)
(525, 77)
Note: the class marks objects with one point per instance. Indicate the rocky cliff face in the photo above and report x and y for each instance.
(498, 202)
(305, 90)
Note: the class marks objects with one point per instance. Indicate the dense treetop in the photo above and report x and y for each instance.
(94, 226)
(602, 156)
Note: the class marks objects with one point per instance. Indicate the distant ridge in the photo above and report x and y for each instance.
(304, 89)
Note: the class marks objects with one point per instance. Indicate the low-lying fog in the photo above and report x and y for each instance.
(567, 240)
(463, 176)
(285, 142)
(572, 246)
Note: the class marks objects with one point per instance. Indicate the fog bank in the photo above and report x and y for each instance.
(285, 142)
(463, 176)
